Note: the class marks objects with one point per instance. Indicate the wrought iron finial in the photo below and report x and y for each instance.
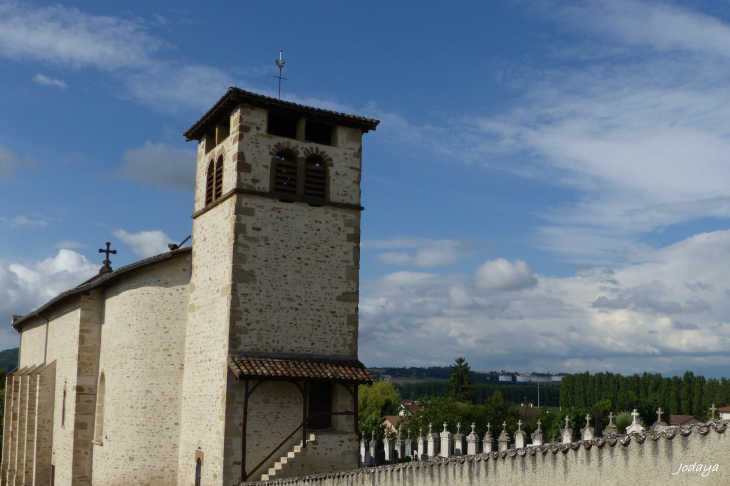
(107, 268)
(280, 63)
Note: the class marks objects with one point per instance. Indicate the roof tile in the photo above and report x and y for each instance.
(350, 370)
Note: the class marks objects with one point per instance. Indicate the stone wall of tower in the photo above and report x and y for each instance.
(206, 347)
(268, 277)
(142, 354)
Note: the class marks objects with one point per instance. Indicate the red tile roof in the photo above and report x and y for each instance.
(255, 368)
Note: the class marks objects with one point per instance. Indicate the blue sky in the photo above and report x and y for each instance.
(548, 189)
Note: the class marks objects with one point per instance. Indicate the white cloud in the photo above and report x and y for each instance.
(145, 243)
(160, 165)
(69, 36)
(46, 81)
(666, 311)
(24, 288)
(22, 220)
(500, 274)
(429, 253)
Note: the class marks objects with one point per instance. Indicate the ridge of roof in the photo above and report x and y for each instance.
(100, 279)
(235, 96)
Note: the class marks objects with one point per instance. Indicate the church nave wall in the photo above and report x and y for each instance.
(142, 356)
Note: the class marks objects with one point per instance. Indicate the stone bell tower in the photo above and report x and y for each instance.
(271, 338)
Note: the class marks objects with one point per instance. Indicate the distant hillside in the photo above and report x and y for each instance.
(9, 359)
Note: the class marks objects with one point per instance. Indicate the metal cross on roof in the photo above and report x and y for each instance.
(107, 268)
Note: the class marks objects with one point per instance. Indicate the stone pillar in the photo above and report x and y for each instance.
(472, 441)
(537, 436)
(421, 446)
(611, 428)
(520, 436)
(364, 452)
(586, 433)
(445, 442)
(399, 444)
(458, 441)
(373, 451)
(432, 441)
(409, 445)
(566, 434)
(488, 441)
(503, 439)
(388, 449)
(635, 426)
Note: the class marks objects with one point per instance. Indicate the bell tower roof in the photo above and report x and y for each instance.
(236, 96)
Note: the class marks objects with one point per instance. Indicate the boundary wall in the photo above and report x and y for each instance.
(698, 454)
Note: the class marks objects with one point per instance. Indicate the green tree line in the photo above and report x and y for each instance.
(686, 395)
(481, 392)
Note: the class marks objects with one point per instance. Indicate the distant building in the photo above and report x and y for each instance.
(506, 378)
(683, 420)
(724, 413)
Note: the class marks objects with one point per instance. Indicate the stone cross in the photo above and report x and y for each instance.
(519, 425)
(445, 425)
(458, 428)
(713, 410)
(659, 414)
(107, 268)
(539, 423)
(567, 421)
(635, 425)
(473, 428)
(504, 426)
(488, 425)
(430, 428)
(537, 437)
(588, 420)
(472, 441)
(611, 416)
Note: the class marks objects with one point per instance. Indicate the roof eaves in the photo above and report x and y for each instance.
(235, 96)
(98, 281)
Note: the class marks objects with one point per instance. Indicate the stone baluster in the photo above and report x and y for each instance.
(635, 426)
(399, 444)
(458, 441)
(373, 451)
(503, 440)
(520, 436)
(472, 441)
(586, 433)
(409, 445)
(432, 442)
(488, 441)
(566, 435)
(389, 452)
(445, 442)
(537, 437)
(421, 445)
(611, 428)
(364, 453)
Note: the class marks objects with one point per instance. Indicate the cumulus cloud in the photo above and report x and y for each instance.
(428, 252)
(46, 81)
(160, 165)
(637, 317)
(500, 274)
(23, 220)
(145, 243)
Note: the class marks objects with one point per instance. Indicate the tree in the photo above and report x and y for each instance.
(460, 383)
(380, 398)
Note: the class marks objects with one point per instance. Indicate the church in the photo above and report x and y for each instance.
(234, 359)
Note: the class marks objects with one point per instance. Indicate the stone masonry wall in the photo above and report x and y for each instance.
(206, 347)
(696, 455)
(63, 338)
(142, 357)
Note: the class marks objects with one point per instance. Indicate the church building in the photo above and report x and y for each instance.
(232, 360)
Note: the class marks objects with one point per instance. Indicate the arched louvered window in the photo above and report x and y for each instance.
(100, 394)
(218, 178)
(209, 182)
(198, 472)
(315, 178)
(285, 173)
